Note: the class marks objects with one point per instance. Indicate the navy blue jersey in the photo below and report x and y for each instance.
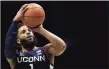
(35, 59)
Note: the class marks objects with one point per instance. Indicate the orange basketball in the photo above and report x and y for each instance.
(34, 16)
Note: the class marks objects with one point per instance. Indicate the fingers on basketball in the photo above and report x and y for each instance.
(24, 6)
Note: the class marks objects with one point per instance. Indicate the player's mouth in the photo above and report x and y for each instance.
(29, 37)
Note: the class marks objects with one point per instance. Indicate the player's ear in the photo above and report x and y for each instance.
(18, 41)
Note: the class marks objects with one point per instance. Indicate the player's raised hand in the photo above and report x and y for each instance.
(19, 15)
(37, 28)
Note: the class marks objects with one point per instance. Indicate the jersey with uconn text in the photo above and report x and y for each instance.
(35, 59)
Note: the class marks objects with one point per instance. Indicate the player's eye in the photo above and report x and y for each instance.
(23, 31)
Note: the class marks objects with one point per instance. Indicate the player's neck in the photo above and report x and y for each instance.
(29, 49)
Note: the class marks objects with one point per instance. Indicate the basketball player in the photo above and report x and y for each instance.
(30, 56)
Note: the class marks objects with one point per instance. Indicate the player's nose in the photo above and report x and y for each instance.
(28, 32)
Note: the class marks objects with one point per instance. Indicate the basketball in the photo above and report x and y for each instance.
(34, 16)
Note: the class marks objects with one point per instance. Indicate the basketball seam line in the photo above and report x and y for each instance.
(35, 7)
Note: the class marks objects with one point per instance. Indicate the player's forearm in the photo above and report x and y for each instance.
(56, 41)
(13, 28)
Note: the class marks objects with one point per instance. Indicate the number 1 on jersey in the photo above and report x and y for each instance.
(31, 65)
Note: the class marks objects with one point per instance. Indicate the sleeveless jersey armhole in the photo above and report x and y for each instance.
(45, 51)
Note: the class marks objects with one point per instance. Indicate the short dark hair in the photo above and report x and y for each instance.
(18, 46)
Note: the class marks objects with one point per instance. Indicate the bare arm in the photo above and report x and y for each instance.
(56, 46)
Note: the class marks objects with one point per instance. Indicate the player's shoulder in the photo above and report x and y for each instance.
(38, 48)
(19, 52)
(41, 49)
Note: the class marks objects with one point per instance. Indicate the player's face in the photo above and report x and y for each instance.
(24, 33)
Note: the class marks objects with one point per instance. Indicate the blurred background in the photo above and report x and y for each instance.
(82, 25)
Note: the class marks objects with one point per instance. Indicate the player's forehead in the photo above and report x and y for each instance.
(22, 28)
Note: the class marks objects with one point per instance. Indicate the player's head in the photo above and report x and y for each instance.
(25, 37)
